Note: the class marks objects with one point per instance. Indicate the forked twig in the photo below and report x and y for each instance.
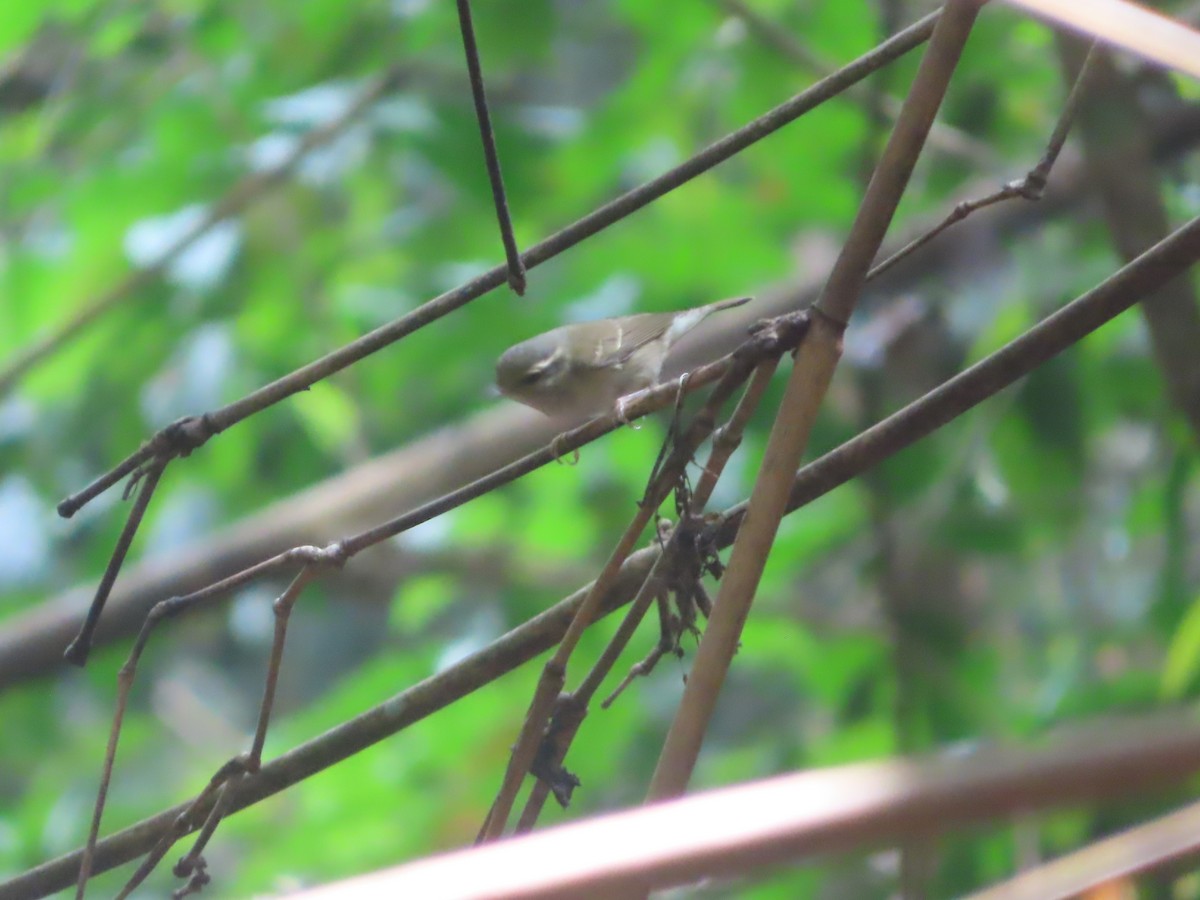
(314, 558)
(1031, 187)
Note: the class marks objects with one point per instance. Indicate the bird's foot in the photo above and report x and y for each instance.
(557, 450)
(623, 404)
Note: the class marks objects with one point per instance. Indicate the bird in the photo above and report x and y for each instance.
(591, 368)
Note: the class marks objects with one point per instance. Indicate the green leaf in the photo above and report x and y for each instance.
(1183, 656)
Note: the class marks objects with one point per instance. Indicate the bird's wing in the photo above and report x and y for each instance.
(632, 333)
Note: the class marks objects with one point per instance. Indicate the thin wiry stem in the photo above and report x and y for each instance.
(516, 268)
(1031, 187)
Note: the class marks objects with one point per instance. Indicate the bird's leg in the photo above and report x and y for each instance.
(556, 449)
(623, 408)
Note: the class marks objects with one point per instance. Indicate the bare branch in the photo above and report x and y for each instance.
(77, 651)
(1031, 187)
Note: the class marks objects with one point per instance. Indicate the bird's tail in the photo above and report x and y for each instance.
(688, 319)
(725, 304)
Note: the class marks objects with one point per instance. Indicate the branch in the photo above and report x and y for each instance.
(1031, 187)
(516, 269)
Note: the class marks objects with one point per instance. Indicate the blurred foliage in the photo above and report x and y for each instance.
(1027, 566)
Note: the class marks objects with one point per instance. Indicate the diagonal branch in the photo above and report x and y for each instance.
(1031, 187)
(1169, 842)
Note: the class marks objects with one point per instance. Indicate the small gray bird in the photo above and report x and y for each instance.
(589, 368)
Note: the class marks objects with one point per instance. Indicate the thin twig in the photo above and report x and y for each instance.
(516, 269)
(1031, 187)
(809, 380)
(728, 437)
(247, 191)
(208, 800)
(77, 651)
(168, 609)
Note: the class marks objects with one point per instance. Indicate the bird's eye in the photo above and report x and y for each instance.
(534, 375)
